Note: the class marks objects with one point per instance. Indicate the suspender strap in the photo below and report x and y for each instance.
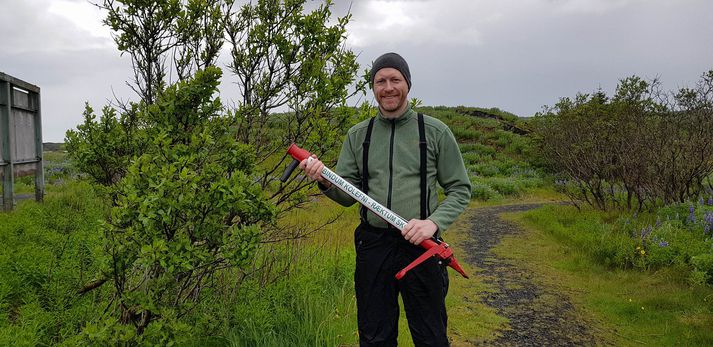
(423, 147)
(365, 165)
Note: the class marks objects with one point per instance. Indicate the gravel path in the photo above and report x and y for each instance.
(539, 316)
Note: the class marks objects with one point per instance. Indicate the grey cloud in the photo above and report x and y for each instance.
(528, 53)
(531, 56)
(27, 26)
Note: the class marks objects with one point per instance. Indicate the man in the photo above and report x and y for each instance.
(397, 158)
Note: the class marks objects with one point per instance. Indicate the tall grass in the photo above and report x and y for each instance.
(50, 251)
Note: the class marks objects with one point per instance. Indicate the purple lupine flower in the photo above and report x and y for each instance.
(645, 232)
(710, 201)
(708, 219)
(663, 243)
(692, 215)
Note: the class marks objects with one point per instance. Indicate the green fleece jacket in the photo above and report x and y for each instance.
(394, 169)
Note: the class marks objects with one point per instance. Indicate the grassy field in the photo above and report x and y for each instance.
(628, 307)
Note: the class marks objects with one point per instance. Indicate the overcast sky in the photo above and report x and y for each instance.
(517, 55)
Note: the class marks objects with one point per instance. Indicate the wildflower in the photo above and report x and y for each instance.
(645, 232)
(710, 201)
(708, 222)
(701, 202)
(643, 252)
(663, 243)
(692, 215)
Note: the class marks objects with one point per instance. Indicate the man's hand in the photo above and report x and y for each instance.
(418, 230)
(313, 169)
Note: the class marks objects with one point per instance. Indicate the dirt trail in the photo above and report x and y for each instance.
(539, 316)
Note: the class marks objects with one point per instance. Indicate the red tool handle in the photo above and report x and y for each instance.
(439, 249)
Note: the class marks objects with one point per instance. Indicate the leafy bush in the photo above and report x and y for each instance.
(483, 191)
(486, 170)
(186, 208)
(467, 134)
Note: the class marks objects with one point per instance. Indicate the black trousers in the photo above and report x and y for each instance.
(381, 253)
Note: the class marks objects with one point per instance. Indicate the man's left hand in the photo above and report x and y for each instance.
(417, 230)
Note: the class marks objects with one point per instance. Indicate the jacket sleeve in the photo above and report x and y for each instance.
(346, 168)
(452, 176)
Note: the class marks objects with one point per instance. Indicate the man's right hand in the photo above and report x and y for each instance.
(313, 169)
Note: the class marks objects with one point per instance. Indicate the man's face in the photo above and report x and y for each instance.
(390, 91)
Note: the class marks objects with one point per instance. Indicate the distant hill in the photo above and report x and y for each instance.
(53, 146)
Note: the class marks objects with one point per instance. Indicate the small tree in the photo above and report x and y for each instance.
(640, 148)
(188, 34)
(287, 59)
(103, 149)
(186, 208)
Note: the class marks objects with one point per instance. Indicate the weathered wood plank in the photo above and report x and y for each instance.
(6, 138)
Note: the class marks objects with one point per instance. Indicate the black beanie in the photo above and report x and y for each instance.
(392, 60)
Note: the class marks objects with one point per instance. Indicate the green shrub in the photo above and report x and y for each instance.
(467, 134)
(486, 170)
(703, 268)
(506, 185)
(483, 150)
(472, 157)
(483, 191)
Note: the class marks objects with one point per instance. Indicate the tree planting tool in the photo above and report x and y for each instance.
(434, 247)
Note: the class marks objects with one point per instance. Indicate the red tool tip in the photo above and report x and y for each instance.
(454, 264)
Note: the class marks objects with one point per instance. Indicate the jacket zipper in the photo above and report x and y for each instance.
(391, 162)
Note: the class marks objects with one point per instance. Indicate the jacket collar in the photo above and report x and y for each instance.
(403, 118)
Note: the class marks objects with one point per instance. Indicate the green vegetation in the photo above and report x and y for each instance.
(640, 149)
(186, 237)
(51, 250)
(677, 236)
(56, 248)
(572, 251)
(186, 209)
(495, 150)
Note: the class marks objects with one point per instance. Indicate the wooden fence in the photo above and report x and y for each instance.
(20, 137)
